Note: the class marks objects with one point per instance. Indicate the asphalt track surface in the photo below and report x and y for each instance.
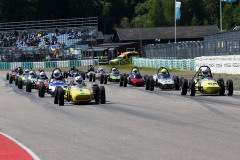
(134, 124)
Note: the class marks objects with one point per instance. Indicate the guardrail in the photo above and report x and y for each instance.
(184, 64)
(48, 64)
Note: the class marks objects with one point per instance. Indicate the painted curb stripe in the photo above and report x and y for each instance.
(11, 149)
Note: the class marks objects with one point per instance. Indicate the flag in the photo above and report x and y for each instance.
(229, 1)
(178, 13)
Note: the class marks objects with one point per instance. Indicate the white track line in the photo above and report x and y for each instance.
(34, 156)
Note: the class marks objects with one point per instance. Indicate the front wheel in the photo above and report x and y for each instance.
(20, 83)
(220, 82)
(192, 90)
(147, 83)
(105, 79)
(151, 84)
(125, 81)
(94, 77)
(41, 90)
(7, 76)
(60, 96)
(16, 80)
(29, 86)
(56, 95)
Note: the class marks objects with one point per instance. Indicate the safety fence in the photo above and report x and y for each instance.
(184, 64)
(48, 64)
(220, 64)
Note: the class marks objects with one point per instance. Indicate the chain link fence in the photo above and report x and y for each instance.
(183, 50)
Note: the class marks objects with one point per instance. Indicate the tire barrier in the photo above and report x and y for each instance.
(184, 64)
(48, 64)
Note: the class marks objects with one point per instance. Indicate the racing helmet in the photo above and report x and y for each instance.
(114, 70)
(78, 80)
(101, 69)
(134, 71)
(56, 74)
(205, 71)
(42, 75)
(31, 73)
(164, 71)
(27, 71)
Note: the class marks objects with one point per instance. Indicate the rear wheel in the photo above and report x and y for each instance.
(101, 78)
(20, 83)
(151, 84)
(83, 75)
(16, 80)
(230, 87)
(7, 76)
(105, 79)
(192, 90)
(121, 81)
(90, 77)
(94, 78)
(60, 96)
(176, 82)
(10, 78)
(102, 95)
(96, 91)
(184, 87)
(220, 82)
(41, 90)
(124, 81)
(147, 83)
(29, 86)
(145, 77)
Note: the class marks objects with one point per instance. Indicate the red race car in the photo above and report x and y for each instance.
(41, 78)
(134, 78)
(11, 76)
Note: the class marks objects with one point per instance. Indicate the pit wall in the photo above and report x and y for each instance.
(48, 64)
(184, 64)
(220, 64)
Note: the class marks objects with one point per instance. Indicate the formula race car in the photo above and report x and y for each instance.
(77, 92)
(27, 80)
(15, 73)
(134, 78)
(204, 83)
(112, 76)
(163, 80)
(100, 75)
(56, 80)
(90, 73)
(41, 78)
(73, 72)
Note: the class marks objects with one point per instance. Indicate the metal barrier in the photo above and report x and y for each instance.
(183, 50)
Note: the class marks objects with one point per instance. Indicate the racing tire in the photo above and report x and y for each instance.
(16, 80)
(101, 78)
(147, 83)
(176, 83)
(125, 81)
(94, 78)
(20, 83)
(64, 74)
(192, 90)
(229, 87)
(145, 77)
(105, 79)
(220, 82)
(90, 77)
(83, 76)
(180, 81)
(29, 86)
(56, 95)
(121, 81)
(151, 84)
(7, 76)
(41, 90)
(10, 78)
(184, 87)
(96, 91)
(124, 74)
(102, 95)
(60, 96)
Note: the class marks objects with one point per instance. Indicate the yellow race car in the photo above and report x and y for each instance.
(79, 93)
(203, 83)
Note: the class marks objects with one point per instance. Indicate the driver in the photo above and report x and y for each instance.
(73, 68)
(42, 75)
(204, 72)
(78, 81)
(101, 70)
(27, 71)
(57, 76)
(114, 71)
(134, 71)
(164, 73)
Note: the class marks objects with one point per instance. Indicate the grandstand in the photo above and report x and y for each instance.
(28, 40)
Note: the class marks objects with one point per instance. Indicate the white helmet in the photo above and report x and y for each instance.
(26, 71)
(78, 80)
(101, 69)
(31, 73)
(114, 69)
(56, 74)
(205, 71)
(42, 75)
(134, 71)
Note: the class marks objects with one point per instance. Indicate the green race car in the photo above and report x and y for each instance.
(112, 76)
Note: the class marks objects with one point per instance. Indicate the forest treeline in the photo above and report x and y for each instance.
(123, 13)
